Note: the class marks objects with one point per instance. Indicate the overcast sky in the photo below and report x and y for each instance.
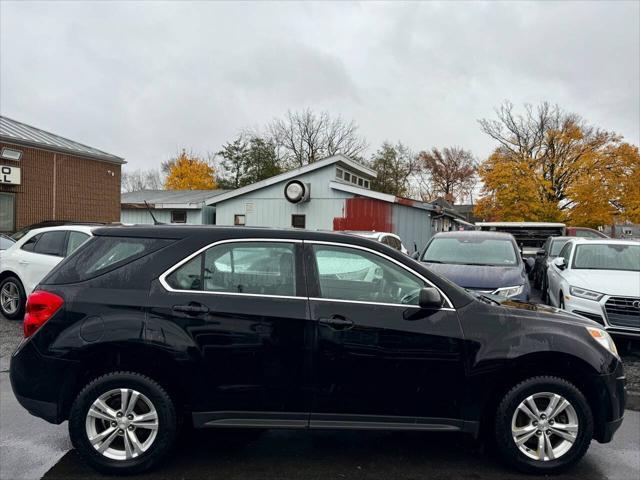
(142, 80)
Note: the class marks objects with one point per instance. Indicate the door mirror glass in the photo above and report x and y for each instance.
(560, 263)
(430, 298)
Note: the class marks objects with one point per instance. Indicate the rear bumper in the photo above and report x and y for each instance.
(38, 382)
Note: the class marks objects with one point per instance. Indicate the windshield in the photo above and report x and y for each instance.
(472, 251)
(607, 257)
(556, 246)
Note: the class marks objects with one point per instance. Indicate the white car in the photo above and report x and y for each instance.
(387, 238)
(27, 261)
(599, 279)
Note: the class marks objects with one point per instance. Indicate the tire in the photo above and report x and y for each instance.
(151, 448)
(12, 285)
(564, 453)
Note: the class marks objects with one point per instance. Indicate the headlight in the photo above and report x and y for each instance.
(604, 339)
(509, 291)
(583, 293)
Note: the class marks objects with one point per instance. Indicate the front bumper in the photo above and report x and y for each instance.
(597, 311)
(39, 382)
(609, 403)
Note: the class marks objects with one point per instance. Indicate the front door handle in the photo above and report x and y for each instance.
(337, 322)
(192, 308)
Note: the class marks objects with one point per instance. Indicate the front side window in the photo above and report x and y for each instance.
(607, 257)
(565, 253)
(51, 243)
(471, 250)
(350, 274)
(556, 246)
(264, 268)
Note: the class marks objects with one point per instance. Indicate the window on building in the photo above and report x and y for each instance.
(347, 177)
(239, 219)
(178, 216)
(366, 184)
(298, 221)
(354, 179)
(339, 173)
(7, 212)
(360, 182)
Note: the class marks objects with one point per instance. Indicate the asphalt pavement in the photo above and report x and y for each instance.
(31, 448)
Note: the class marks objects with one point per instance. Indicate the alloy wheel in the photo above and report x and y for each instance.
(544, 426)
(122, 424)
(10, 298)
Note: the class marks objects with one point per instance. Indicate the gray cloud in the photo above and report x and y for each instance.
(145, 79)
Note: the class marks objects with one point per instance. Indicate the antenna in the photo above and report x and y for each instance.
(155, 221)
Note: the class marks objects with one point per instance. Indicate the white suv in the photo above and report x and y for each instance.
(599, 279)
(27, 261)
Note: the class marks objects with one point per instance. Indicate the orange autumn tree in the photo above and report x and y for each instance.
(608, 190)
(189, 172)
(551, 165)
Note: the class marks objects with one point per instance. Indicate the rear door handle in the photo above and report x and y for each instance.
(337, 322)
(192, 308)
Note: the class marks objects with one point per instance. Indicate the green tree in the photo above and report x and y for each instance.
(394, 165)
(246, 160)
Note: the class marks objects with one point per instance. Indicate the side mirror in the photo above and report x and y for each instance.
(430, 298)
(541, 252)
(560, 263)
(415, 255)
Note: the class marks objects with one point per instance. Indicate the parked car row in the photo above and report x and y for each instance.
(142, 327)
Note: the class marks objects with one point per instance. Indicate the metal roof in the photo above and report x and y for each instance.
(339, 159)
(20, 133)
(160, 197)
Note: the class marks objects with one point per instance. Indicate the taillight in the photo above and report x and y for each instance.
(41, 306)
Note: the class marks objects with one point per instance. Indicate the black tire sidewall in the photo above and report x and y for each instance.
(19, 315)
(167, 424)
(510, 402)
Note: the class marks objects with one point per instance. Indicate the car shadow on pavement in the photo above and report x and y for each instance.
(281, 454)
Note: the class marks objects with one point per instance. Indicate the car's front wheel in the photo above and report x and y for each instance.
(122, 423)
(12, 298)
(543, 425)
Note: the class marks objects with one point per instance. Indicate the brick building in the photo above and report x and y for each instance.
(45, 177)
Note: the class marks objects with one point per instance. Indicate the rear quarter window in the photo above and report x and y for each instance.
(100, 255)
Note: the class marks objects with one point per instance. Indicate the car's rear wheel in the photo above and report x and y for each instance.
(543, 425)
(123, 423)
(12, 298)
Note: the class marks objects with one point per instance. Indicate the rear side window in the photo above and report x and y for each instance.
(30, 244)
(253, 268)
(100, 255)
(52, 243)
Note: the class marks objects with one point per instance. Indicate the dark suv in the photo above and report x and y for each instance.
(145, 327)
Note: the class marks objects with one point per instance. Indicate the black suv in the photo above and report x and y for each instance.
(145, 327)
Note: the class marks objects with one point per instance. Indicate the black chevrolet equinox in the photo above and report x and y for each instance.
(145, 329)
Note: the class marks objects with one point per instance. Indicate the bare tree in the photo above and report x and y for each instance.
(138, 180)
(305, 137)
(449, 173)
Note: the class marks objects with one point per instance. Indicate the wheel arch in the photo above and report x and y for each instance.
(558, 364)
(146, 359)
(10, 273)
